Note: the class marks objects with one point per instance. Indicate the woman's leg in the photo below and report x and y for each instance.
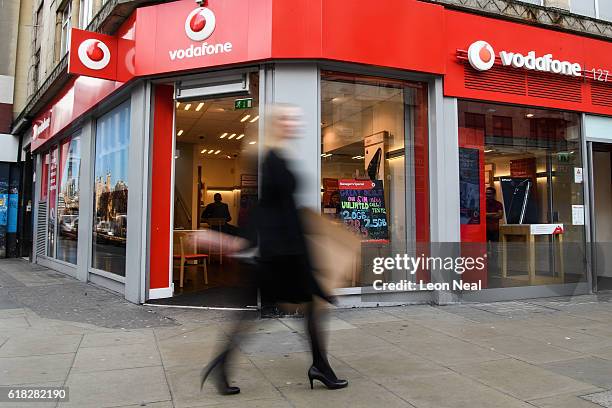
(313, 317)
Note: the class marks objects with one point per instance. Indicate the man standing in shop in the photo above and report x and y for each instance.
(495, 212)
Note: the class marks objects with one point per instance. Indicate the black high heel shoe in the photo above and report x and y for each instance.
(222, 384)
(331, 383)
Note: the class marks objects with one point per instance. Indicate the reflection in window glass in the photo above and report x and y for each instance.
(68, 200)
(52, 204)
(373, 137)
(583, 7)
(522, 170)
(111, 190)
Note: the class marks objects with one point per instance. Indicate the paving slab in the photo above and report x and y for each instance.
(35, 369)
(451, 391)
(564, 401)
(521, 380)
(115, 338)
(602, 399)
(360, 392)
(592, 370)
(185, 385)
(528, 350)
(117, 388)
(92, 359)
(30, 344)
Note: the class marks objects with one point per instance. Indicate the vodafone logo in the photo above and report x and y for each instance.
(200, 24)
(94, 54)
(481, 56)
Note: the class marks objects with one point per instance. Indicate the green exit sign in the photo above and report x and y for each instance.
(244, 103)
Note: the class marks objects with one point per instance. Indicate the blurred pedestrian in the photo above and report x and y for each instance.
(284, 265)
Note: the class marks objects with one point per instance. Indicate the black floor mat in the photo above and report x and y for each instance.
(213, 297)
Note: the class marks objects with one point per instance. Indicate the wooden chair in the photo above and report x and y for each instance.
(186, 252)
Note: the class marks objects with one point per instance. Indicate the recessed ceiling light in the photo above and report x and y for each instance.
(178, 104)
(218, 151)
(529, 115)
(240, 137)
(228, 156)
(232, 136)
(489, 150)
(203, 151)
(210, 151)
(245, 118)
(253, 142)
(187, 106)
(180, 132)
(223, 135)
(200, 106)
(254, 119)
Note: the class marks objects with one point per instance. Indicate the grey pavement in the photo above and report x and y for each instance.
(57, 331)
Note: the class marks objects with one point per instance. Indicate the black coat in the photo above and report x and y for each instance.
(285, 267)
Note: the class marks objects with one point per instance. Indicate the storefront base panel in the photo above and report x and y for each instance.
(70, 270)
(525, 292)
(160, 293)
(384, 299)
(107, 283)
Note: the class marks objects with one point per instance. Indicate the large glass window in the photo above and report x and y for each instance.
(584, 7)
(522, 193)
(111, 190)
(374, 166)
(52, 202)
(68, 199)
(66, 18)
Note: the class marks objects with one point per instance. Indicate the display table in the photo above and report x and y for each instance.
(529, 232)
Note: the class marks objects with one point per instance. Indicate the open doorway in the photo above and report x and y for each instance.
(215, 187)
(602, 214)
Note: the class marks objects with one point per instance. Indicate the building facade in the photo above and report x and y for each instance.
(452, 133)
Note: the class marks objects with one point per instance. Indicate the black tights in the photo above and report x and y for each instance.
(312, 317)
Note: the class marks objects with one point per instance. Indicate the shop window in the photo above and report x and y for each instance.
(52, 202)
(605, 10)
(374, 137)
(68, 200)
(44, 178)
(475, 121)
(521, 194)
(502, 126)
(111, 190)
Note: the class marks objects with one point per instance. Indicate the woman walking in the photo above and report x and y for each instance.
(284, 265)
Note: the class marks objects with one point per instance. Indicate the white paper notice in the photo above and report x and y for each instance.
(578, 214)
(578, 175)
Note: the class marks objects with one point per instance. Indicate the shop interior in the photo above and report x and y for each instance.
(531, 180)
(215, 186)
(602, 212)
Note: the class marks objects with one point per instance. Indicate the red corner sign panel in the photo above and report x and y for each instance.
(93, 54)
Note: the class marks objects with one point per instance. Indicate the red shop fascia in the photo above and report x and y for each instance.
(478, 57)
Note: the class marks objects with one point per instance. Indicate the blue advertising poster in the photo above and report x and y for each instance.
(13, 203)
(3, 209)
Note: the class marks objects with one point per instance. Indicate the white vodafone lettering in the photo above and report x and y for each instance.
(545, 63)
(200, 50)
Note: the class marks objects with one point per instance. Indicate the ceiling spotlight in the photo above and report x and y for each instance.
(245, 118)
(203, 151)
(254, 119)
(240, 137)
(210, 151)
(253, 142)
(218, 151)
(187, 106)
(228, 156)
(180, 132)
(178, 104)
(489, 150)
(529, 115)
(223, 135)
(200, 106)
(232, 136)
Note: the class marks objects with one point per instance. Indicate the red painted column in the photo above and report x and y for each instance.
(161, 188)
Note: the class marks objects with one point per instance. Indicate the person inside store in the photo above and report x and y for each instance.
(217, 215)
(495, 212)
(334, 204)
(284, 264)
